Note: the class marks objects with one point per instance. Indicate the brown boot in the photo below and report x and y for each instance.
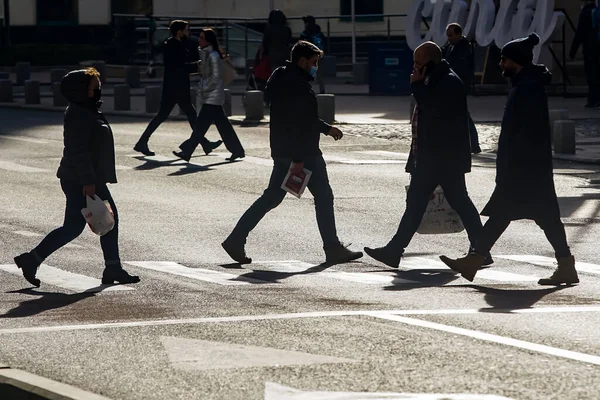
(466, 266)
(565, 273)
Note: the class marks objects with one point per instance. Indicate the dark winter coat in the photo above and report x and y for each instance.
(89, 153)
(276, 44)
(524, 176)
(177, 70)
(295, 125)
(443, 141)
(585, 35)
(460, 59)
(311, 32)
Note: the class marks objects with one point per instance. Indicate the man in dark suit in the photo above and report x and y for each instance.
(588, 36)
(440, 151)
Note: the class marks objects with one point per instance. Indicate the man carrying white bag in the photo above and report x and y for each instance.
(440, 156)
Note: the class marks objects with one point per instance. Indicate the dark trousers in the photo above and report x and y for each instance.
(592, 75)
(473, 134)
(274, 195)
(208, 115)
(167, 103)
(552, 226)
(74, 224)
(421, 187)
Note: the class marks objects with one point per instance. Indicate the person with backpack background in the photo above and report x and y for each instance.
(312, 33)
(588, 36)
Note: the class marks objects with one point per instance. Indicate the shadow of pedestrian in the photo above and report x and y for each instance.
(47, 301)
(506, 300)
(277, 276)
(150, 164)
(420, 279)
(194, 168)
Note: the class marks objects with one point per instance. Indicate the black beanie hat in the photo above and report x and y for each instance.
(521, 50)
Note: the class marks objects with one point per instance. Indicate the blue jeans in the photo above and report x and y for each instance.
(274, 195)
(421, 187)
(74, 224)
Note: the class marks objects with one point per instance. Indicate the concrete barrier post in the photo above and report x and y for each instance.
(57, 74)
(57, 98)
(564, 137)
(360, 73)
(254, 103)
(227, 105)
(6, 91)
(122, 98)
(132, 77)
(326, 104)
(23, 72)
(153, 95)
(558, 115)
(32, 92)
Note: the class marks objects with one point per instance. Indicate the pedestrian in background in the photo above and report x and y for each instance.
(277, 39)
(588, 36)
(295, 135)
(212, 95)
(88, 164)
(440, 151)
(460, 57)
(524, 175)
(175, 87)
(312, 33)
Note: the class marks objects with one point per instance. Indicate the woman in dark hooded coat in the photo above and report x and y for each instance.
(277, 39)
(88, 164)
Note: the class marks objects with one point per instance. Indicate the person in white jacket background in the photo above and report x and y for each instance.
(212, 94)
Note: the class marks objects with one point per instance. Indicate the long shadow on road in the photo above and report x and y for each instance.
(47, 301)
(276, 276)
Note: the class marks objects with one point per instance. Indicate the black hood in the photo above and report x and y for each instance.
(74, 86)
(533, 73)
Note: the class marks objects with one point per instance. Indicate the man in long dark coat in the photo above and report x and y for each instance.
(587, 36)
(524, 176)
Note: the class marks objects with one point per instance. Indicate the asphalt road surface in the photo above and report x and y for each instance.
(287, 326)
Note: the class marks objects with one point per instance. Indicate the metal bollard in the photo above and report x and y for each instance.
(254, 103)
(32, 92)
(326, 104)
(153, 95)
(6, 91)
(57, 74)
(360, 73)
(227, 105)
(132, 77)
(57, 98)
(23, 72)
(122, 98)
(564, 137)
(558, 115)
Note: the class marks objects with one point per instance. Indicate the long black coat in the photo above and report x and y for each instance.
(585, 35)
(177, 69)
(460, 59)
(524, 175)
(443, 142)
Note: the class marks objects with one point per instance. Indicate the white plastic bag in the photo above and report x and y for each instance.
(98, 215)
(439, 217)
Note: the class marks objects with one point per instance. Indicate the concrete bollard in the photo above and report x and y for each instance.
(6, 91)
(132, 77)
(360, 73)
(564, 137)
(32, 92)
(58, 99)
(23, 72)
(122, 98)
(227, 105)
(4, 75)
(254, 103)
(101, 68)
(57, 74)
(326, 103)
(194, 97)
(558, 115)
(153, 95)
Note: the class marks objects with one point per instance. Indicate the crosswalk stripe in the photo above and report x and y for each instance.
(551, 262)
(67, 280)
(248, 159)
(10, 166)
(366, 278)
(383, 153)
(24, 139)
(201, 274)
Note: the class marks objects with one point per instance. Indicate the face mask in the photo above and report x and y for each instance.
(313, 71)
(97, 94)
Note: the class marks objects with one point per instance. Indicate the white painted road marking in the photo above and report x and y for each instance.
(24, 139)
(67, 280)
(383, 153)
(521, 344)
(250, 159)
(290, 316)
(551, 262)
(366, 278)
(194, 355)
(10, 166)
(201, 274)
(274, 391)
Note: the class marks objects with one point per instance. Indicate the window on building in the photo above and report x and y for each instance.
(57, 12)
(361, 7)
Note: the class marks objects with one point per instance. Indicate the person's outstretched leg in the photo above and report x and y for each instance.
(190, 111)
(166, 106)
(554, 230)
(232, 142)
(203, 122)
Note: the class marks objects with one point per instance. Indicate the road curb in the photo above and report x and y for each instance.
(577, 159)
(16, 385)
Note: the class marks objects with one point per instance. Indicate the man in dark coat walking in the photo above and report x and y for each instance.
(524, 176)
(588, 36)
(460, 57)
(440, 151)
(176, 86)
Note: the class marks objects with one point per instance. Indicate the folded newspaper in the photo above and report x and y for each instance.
(295, 183)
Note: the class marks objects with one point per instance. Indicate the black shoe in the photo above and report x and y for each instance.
(340, 254)
(211, 146)
(143, 148)
(182, 155)
(236, 251)
(475, 150)
(488, 258)
(118, 275)
(28, 265)
(235, 156)
(385, 256)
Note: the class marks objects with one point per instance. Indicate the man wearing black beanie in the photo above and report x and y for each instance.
(524, 176)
